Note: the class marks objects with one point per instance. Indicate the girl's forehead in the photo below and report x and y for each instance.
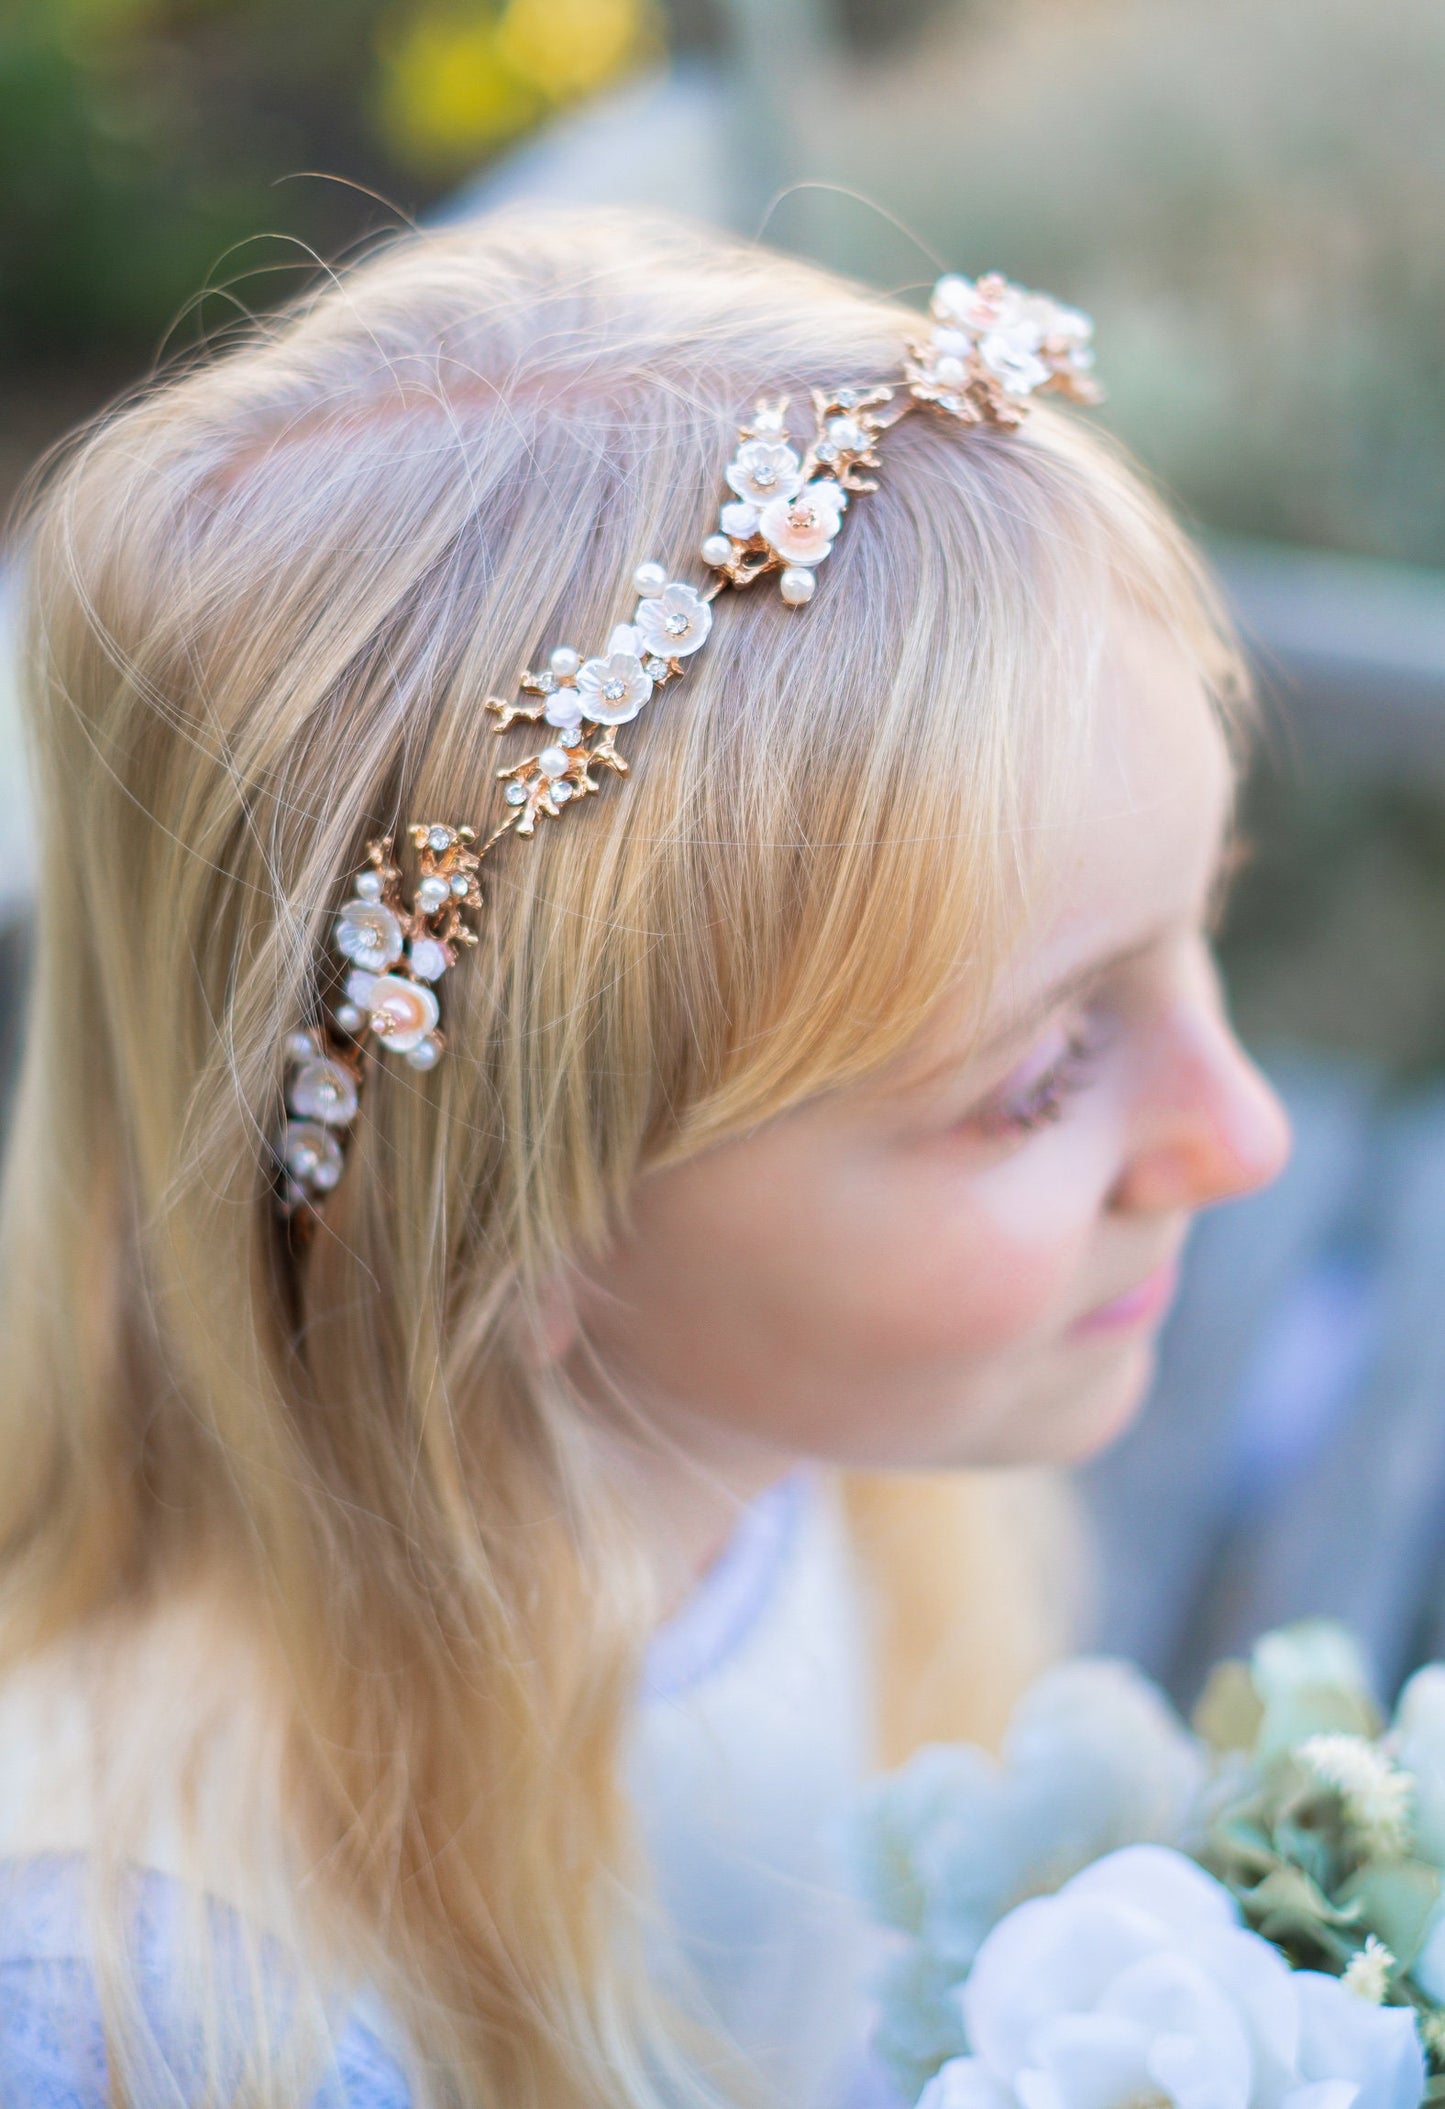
(1136, 852)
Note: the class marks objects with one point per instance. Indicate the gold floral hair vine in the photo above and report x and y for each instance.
(990, 347)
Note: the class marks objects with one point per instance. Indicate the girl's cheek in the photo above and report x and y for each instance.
(1030, 1231)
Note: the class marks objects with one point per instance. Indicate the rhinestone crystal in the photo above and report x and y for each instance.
(439, 838)
(515, 794)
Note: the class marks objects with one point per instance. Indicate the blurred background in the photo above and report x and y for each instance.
(1249, 195)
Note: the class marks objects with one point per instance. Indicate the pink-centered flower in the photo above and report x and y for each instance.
(801, 528)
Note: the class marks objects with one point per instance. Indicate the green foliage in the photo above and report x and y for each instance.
(1308, 1821)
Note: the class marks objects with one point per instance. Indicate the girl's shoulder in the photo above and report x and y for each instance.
(52, 2053)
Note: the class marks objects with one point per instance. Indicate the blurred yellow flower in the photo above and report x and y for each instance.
(569, 47)
(460, 80)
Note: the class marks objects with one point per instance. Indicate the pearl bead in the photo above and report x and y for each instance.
(797, 585)
(554, 761)
(717, 550)
(350, 1019)
(433, 894)
(564, 662)
(426, 1054)
(301, 1047)
(649, 579)
(368, 886)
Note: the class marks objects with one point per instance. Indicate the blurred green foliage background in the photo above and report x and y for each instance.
(153, 148)
(1250, 194)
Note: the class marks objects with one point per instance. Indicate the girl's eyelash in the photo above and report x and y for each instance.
(1044, 1101)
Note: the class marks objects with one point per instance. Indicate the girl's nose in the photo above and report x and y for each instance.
(1210, 1125)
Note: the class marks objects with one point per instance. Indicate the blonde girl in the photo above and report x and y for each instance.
(435, 1656)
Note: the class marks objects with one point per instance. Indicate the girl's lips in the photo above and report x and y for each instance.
(1139, 1306)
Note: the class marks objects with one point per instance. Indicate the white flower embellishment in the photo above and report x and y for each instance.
(674, 623)
(764, 469)
(993, 345)
(612, 690)
(802, 528)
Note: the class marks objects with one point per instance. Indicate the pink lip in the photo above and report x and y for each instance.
(1139, 1306)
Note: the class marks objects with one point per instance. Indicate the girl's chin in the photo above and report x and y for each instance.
(1106, 1407)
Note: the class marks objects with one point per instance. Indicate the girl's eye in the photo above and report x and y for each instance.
(1038, 1097)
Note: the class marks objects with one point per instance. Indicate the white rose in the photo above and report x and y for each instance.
(1136, 1983)
(1095, 1758)
(801, 528)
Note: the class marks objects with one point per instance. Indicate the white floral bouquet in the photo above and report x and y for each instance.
(1126, 1913)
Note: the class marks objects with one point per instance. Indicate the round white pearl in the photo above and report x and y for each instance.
(432, 894)
(368, 886)
(300, 1047)
(717, 550)
(649, 579)
(350, 1019)
(796, 585)
(554, 761)
(426, 1054)
(564, 662)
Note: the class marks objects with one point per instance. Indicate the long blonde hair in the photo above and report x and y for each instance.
(265, 600)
